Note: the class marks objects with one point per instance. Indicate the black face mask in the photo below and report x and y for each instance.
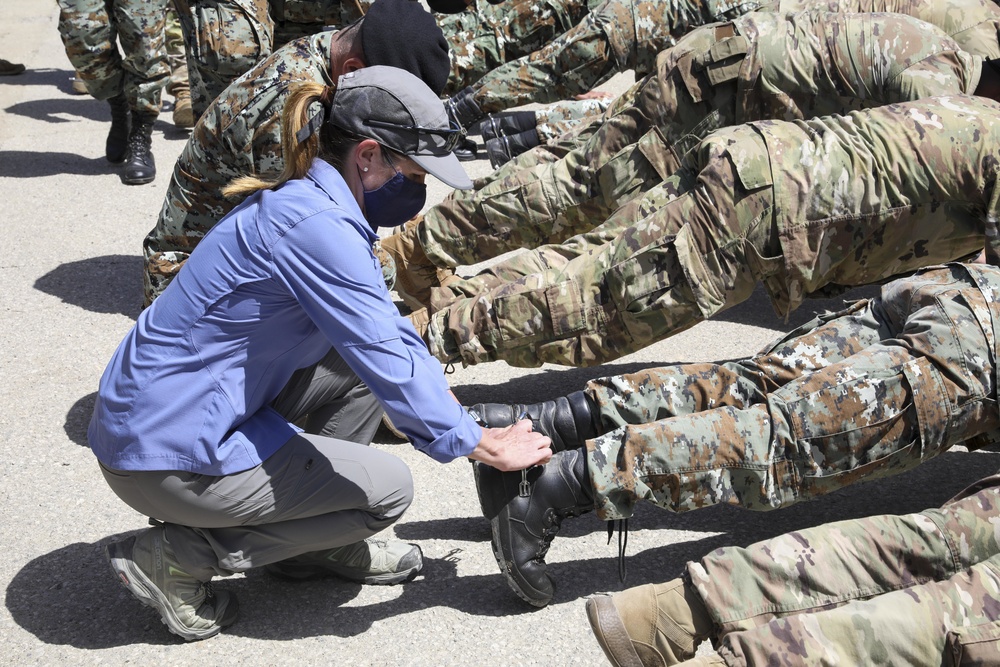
(394, 202)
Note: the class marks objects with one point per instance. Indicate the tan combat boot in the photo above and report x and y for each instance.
(183, 112)
(416, 275)
(654, 625)
(711, 660)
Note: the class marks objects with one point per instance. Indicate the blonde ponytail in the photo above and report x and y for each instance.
(297, 156)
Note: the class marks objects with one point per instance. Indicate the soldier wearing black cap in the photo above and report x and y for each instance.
(287, 283)
(240, 134)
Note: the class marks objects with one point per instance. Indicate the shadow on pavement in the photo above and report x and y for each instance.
(71, 110)
(106, 284)
(63, 109)
(78, 419)
(44, 76)
(26, 164)
(70, 597)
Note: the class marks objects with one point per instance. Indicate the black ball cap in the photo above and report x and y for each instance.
(401, 33)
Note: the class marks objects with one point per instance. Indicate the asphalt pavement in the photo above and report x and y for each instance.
(70, 288)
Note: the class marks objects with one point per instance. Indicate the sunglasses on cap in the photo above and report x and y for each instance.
(447, 138)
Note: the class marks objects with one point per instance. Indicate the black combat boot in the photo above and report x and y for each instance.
(462, 108)
(117, 143)
(466, 150)
(525, 510)
(507, 123)
(139, 165)
(568, 420)
(504, 149)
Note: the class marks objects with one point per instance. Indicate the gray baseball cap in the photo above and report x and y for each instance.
(398, 110)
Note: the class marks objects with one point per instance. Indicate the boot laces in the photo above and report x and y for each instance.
(139, 142)
(622, 525)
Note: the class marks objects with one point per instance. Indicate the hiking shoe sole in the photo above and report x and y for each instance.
(145, 591)
(298, 572)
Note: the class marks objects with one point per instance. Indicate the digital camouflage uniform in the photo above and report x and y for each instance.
(486, 36)
(224, 39)
(229, 37)
(869, 392)
(806, 207)
(239, 135)
(541, 197)
(916, 589)
(557, 119)
(91, 31)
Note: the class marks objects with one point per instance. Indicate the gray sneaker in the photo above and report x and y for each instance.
(372, 561)
(147, 567)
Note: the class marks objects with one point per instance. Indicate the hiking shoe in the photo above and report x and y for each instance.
(147, 567)
(373, 561)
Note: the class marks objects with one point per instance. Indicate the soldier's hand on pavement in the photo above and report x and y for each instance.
(513, 447)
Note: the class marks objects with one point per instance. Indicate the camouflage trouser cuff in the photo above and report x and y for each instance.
(611, 502)
(442, 343)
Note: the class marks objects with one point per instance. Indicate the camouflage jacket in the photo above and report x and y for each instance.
(240, 134)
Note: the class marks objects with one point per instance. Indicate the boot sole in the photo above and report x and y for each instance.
(501, 518)
(611, 633)
(138, 181)
(145, 591)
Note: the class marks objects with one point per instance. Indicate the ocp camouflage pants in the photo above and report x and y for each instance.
(866, 393)
(91, 31)
(533, 200)
(732, 217)
(918, 589)
(223, 39)
(487, 36)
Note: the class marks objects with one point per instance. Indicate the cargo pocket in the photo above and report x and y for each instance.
(653, 281)
(660, 154)
(974, 646)
(635, 168)
(885, 438)
(218, 48)
(549, 314)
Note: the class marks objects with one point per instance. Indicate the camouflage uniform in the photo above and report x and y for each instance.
(617, 35)
(91, 31)
(806, 207)
(176, 58)
(487, 36)
(869, 392)
(224, 39)
(716, 76)
(239, 135)
(557, 119)
(917, 589)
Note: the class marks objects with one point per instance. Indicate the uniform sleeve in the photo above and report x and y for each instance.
(331, 271)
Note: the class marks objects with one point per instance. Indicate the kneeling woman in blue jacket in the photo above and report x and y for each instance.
(280, 312)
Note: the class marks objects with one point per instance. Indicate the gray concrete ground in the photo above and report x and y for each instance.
(70, 289)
